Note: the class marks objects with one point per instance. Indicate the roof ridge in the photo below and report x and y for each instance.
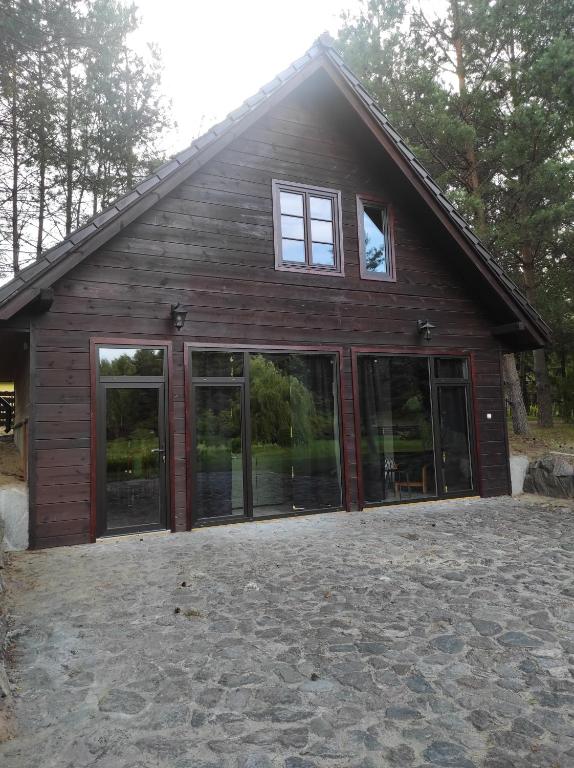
(325, 46)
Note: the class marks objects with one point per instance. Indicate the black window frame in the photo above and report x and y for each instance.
(307, 191)
(243, 382)
(104, 382)
(390, 276)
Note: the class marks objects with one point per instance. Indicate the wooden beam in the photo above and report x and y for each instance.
(509, 328)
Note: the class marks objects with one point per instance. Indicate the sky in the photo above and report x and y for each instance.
(216, 53)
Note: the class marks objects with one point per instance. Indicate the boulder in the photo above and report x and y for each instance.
(551, 475)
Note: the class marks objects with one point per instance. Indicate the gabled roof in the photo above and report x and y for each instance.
(56, 262)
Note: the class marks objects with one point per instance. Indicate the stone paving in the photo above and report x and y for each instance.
(437, 634)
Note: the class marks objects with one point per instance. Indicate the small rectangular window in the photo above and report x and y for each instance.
(376, 251)
(207, 364)
(450, 368)
(307, 223)
(140, 361)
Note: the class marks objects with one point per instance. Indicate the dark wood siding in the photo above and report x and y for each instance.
(209, 245)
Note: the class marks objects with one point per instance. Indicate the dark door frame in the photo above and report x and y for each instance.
(96, 420)
(436, 383)
(132, 382)
(188, 348)
(430, 353)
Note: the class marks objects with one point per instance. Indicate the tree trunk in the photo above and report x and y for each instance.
(543, 389)
(514, 395)
(15, 178)
(41, 159)
(69, 147)
(472, 180)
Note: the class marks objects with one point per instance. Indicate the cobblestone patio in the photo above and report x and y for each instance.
(424, 635)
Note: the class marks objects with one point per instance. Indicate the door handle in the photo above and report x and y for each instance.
(161, 451)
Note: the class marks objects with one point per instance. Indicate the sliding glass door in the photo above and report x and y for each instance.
(415, 430)
(397, 443)
(265, 433)
(218, 456)
(295, 454)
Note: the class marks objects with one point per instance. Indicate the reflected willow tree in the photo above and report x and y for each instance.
(282, 408)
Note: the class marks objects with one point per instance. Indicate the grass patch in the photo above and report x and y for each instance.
(542, 440)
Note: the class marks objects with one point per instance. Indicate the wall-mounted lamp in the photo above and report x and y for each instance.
(424, 328)
(178, 315)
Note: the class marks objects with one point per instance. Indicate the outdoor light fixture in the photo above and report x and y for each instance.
(424, 328)
(178, 315)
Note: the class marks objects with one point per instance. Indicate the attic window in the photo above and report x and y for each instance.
(375, 240)
(307, 226)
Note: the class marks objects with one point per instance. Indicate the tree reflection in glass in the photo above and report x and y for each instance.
(119, 361)
(397, 446)
(219, 451)
(375, 239)
(294, 433)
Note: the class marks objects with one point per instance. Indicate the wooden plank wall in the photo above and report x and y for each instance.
(210, 245)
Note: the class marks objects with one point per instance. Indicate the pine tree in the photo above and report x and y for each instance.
(483, 94)
(80, 113)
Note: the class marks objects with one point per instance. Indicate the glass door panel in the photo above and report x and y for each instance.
(134, 459)
(456, 463)
(295, 452)
(397, 445)
(218, 451)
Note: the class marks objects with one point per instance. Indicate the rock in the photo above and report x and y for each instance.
(293, 737)
(526, 727)
(418, 684)
(400, 756)
(519, 639)
(540, 620)
(5, 692)
(448, 643)
(513, 742)
(454, 576)
(371, 648)
(236, 680)
(486, 628)
(282, 715)
(447, 754)
(496, 758)
(163, 748)
(124, 702)
(256, 760)
(553, 700)
(209, 697)
(551, 475)
(198, 719)
(402, 713)
(481, 719)
(368, 740)
(321, 727)
(299, 762)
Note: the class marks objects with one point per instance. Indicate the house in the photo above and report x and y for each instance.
(287, 317)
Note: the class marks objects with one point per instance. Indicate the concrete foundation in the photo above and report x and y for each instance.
(14, 513)
(518, 467)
